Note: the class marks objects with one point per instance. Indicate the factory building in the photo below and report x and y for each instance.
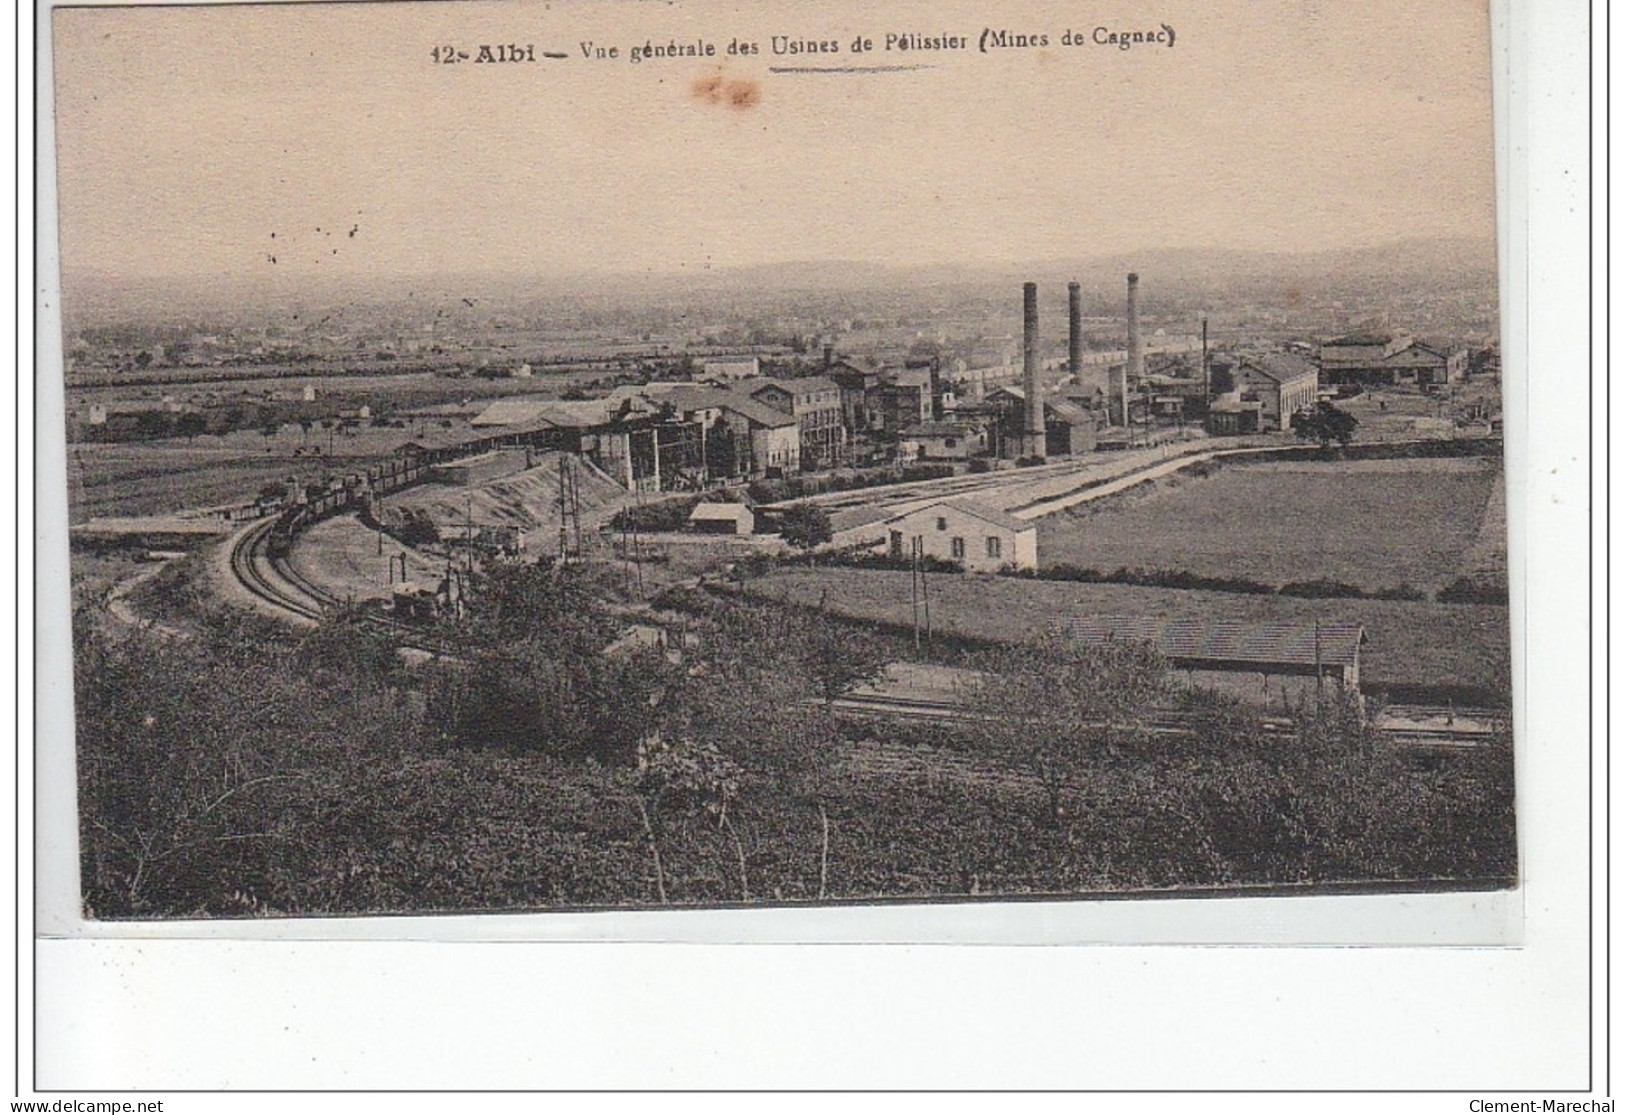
(815, 403)
(772, 437)
(1229, 415)
(904, 399)
(1380, 359)
(1281, 383)
(860, 392)
(1068, 427)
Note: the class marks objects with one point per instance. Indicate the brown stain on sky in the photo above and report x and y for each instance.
(739, 93)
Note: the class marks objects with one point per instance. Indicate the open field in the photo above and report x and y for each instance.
(158, 478)
(341, 556)
(403, 388)
(1376, 524)
(176, 474)
(1486, 558)
(1411, 644)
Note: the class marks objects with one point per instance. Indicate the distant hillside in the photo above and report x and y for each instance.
(1181, 272)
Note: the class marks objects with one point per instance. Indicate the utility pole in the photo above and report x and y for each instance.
(1319, 675)
(925, 593)
(564, 530)
(575, 504)
(914, 585)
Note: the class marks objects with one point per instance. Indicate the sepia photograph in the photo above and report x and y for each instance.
(628, 456)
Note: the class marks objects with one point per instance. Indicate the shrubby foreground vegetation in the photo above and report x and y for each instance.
(552, 762)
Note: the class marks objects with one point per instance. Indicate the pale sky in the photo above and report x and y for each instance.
(186, 137)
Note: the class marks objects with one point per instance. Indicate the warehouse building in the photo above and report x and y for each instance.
(1386, 359)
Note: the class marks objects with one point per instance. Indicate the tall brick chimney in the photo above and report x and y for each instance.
(1134, 369)
(1033, 442)
(1074, 330)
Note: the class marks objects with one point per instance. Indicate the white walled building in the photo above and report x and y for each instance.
(979, 538)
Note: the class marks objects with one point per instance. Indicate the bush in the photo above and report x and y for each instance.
(799, 487)
(417, 529)
(871, 559)
(1401, 592)
(1323, 589)
(805, 525)
(1470, 590)
(1153, 578)
(927, 472)
(656, 518)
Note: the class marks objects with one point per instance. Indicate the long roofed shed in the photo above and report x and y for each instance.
(1284, 647)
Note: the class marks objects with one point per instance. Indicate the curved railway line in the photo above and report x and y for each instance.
(270, 581)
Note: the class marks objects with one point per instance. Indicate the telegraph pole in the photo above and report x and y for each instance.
(914, 585)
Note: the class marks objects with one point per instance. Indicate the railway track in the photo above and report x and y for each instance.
(255, 571)
(276, 584)
(1401, 725)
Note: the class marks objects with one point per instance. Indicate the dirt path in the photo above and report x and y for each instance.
(120, 607)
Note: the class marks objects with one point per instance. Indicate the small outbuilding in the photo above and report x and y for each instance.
(722, 518)
(943, 441)
(1230, 415)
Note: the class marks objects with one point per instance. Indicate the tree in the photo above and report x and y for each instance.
(1059, 707)
(840, 657)
(1325, 424)
(805, 525)
(747, 691)
(190, 424)
(679, 776)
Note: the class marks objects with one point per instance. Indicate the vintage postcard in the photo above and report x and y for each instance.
(598, 456)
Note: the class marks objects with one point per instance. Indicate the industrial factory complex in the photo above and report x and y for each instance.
(748, 433)
(727, 421)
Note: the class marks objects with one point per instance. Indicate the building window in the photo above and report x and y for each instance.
(994, 547)
(957, 549)
(942, 524)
